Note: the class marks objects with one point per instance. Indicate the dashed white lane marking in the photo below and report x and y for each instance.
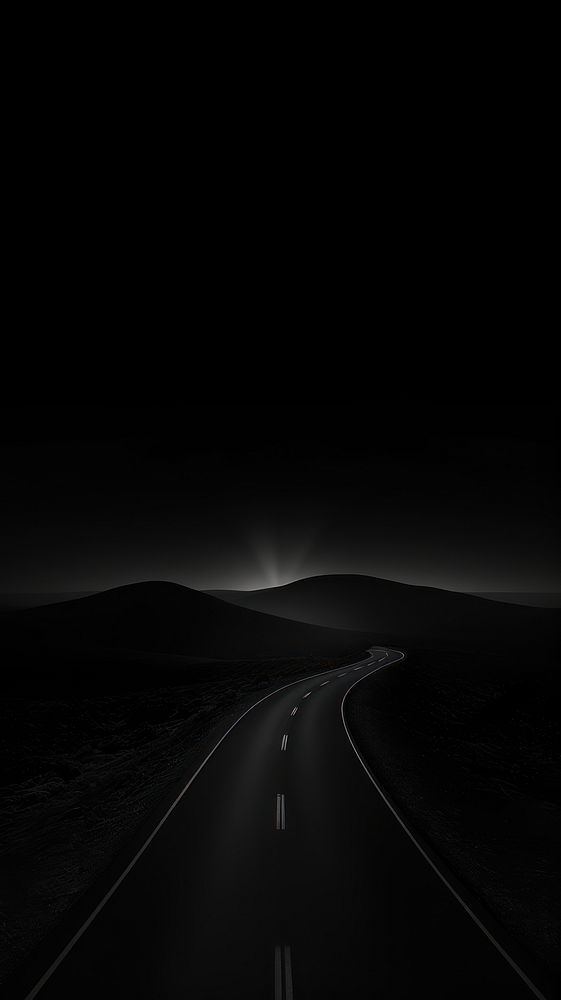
(284, 741)
(281, 816)
(324, 683)
(294, 710)
(342, 675)
(287, 993)
(108, 895)
(358, 668)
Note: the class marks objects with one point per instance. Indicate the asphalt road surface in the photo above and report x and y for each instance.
(281, 873)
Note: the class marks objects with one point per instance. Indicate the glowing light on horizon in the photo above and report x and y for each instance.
(279, 561)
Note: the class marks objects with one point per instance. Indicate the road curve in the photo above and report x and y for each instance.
(281, 873)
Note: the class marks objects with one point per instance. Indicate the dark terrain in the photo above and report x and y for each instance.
(10, 602)
(464, 734)
(531, 600)
(400, 613)
(159, 617)
(469, 748)
(108, 703)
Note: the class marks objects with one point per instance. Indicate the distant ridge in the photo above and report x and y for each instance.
(162, 617)
(400, 612)
(530, 600)
(35, 600)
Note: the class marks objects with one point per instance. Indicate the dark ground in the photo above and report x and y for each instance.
(469, 748)
(80, 774)
(464, 733)
(107, 703)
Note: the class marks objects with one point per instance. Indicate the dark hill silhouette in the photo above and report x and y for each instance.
(160, 617)
(402, 613)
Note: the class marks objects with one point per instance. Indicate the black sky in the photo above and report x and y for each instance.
(452, 494)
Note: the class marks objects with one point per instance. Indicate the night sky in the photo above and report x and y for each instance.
(456, 495)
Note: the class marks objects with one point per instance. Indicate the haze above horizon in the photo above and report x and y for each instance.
(455, 496)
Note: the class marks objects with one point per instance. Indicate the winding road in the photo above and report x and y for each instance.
(281, 873)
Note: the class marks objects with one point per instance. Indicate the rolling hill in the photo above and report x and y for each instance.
(400, 613)
(165, 618)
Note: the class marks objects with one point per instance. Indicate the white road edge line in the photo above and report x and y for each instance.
(76, 937)
(412, 837)
(288, 973)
